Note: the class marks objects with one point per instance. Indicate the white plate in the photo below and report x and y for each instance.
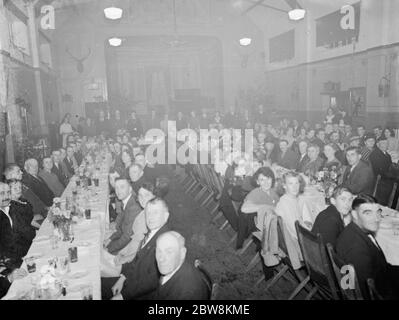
(41, 238)
(78, 274)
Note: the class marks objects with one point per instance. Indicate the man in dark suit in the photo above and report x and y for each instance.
(330, 222)
(35, 183)
(137, 177)
(16, 234)
(260, 116)
(204, 120)
(13, 172)
(287, 158)
(70, 161)
(78, 152)
(320, 139)
(358, 176)
(357, 245)
(315, 163)
(381, 162)
(231, 119)
(57, 167)
(8, 273)
(180, 280)
(140, 277)
(124, 221)
(303, 155)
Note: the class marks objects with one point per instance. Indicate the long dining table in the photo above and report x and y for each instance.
(88, 235)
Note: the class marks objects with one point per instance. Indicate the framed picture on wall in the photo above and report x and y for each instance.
(358, 101)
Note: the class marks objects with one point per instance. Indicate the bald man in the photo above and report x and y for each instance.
(140, 277)
(31, 179)
(180, 280)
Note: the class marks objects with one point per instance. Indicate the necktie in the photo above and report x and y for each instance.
(144, 242)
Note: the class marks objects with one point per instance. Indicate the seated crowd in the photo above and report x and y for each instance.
(144, 259)
(353, 215)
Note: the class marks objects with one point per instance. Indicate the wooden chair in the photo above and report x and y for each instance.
(317, 264)
(377, 182)
(374, 295)
(350, 293)
(392, 196)
(284, 269)
(212, 286)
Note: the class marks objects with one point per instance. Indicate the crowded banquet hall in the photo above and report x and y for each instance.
(199, 150)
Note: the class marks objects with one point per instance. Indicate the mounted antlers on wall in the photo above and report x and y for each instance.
(79, 61)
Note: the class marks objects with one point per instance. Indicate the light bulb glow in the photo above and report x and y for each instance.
(113, 13)
(245, 41)
(297, 14)
(115, 42)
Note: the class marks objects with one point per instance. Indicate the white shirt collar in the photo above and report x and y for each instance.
(166, 278)
(150, 236)
(126, 201)
(6, 211)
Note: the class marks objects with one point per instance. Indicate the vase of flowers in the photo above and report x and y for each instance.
(62, 221)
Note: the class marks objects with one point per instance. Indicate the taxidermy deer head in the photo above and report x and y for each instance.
(79, 61)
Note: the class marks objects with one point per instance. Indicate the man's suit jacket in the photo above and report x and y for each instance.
(186, 284)
(302, 163)
(39, 208)
(360, 180)
(15, 241)
(329, 224)
(59, 172)
(289, 160)
(39, 188)
(52, 182)
(142, 275)
(354, 246)
(380, 162)
(78, 157)
(25, 210)
(70, 166)
(124, 226)
(312, 167)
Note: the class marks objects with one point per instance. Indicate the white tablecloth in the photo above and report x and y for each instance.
(387, 238)
(88, 237)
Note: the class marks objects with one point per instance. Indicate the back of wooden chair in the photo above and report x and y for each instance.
(349, 286)
(374, 295)
(281, 242)
(392, 196)
(317, 264)
(377, 182)
(212, 286)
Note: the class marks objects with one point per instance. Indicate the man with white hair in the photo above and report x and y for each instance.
(31, 179)
(14, 173)
(180, 280)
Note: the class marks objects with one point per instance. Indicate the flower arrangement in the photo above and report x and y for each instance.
(328, 180)
(62, 221)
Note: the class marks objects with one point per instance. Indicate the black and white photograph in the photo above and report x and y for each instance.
(200, 150)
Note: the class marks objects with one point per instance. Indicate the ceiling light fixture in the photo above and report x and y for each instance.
(113, 13)
(245, 41)
(115, 42)
(296, 14)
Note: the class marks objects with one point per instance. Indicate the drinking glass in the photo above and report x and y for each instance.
(88, 214)
(73, 254)
(87, 292)
(54, 241)
(30, 264)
